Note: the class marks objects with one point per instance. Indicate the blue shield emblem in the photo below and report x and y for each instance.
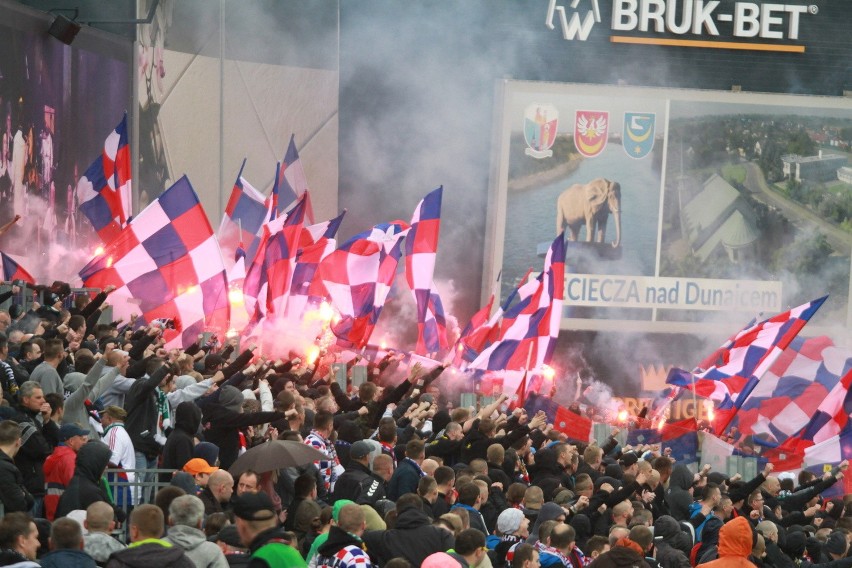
(540, 122)
(639, 130)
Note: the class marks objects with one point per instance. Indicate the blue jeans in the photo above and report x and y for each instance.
(37, 512)
(144, 478)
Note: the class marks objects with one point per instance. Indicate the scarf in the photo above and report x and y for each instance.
(164, 422)
(417, 467)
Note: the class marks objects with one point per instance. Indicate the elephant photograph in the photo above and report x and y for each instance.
(589, 205)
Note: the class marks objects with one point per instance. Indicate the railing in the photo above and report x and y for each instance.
(131, 487)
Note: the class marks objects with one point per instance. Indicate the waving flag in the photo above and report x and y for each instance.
(681, 438)
(12, 270)
(797, 391)
(242, 224)
(104, 191)
(534, 320)
(463, 350)
(731, 379)
(267, 285)
(421, 248)
(167, 261)
(315, 243)
(291, 176)
(358, 276)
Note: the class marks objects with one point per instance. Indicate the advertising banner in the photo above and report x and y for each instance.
(680, 208)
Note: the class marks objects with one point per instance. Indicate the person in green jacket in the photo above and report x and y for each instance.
(257, 525)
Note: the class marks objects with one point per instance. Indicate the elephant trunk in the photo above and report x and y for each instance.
(617, 216)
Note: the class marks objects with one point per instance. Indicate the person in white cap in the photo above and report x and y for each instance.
(512, 528)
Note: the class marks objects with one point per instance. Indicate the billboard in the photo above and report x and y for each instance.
(57, 105)
(684, 210)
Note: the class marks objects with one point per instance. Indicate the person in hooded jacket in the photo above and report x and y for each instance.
(550, 511)
(679, 495)
(668, 542)
(736, 539)
(223, 419)
(85, 486)
(708, 548)
(413, 538)
(181, 441)
(625, 554)
(186, 514)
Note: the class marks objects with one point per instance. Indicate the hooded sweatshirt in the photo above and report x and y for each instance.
(85, 487)
(678, 497)
(735, 543)
(670, 542)
(548, 512)
(181, 442)
(195, 545)
(414, 538)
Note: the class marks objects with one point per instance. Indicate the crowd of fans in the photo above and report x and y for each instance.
(407, 479)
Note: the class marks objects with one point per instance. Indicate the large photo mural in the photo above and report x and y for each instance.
(683, 209)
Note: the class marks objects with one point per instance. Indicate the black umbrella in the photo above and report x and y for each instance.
(276, 454)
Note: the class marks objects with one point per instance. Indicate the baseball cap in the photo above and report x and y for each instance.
(212, 361)
(628, 459)
(67, 431)
(253, 507)
(198, 465)
(360, 450)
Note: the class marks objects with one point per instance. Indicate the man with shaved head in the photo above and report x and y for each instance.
(217, 495)
(100, 522)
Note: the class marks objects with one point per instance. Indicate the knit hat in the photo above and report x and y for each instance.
(229, 535)
(206, 451)
(184, 481)
(231, 398)
(440, 560)
(836, 543)
(794, 544)
(510, 521)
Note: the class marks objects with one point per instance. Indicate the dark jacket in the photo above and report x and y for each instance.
(179, 445)
(222, 428)
(619, 557)
(678, 497)
(211, 504)
(475, 443)
(151, 553)
(667, 538)
(413, 538)
(446, 449)
(547, 473)
(38, 443)
(667, 532)
(67, 559)
(141, 405)
(404, 480)
(13, 494)
(360, 485)
(85, 487)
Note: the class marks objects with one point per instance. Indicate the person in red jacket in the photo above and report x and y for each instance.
(59, 466)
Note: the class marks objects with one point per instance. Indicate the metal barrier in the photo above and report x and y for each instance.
(140, 489)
